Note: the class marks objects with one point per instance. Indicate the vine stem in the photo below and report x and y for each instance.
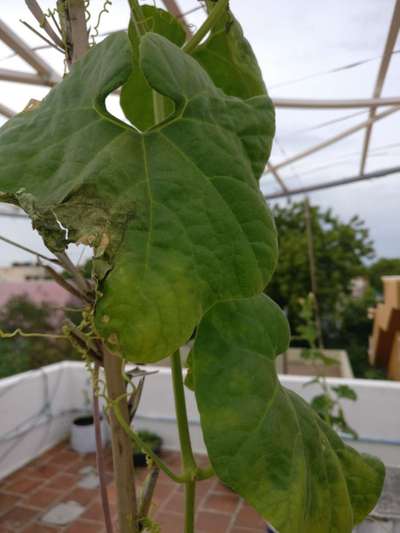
(138, 18)
(207, 25)
(142, 445)
(188, 461)
(121, 445)
(99, 452)
(190, 498)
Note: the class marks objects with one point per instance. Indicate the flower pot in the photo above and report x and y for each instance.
(83, 439)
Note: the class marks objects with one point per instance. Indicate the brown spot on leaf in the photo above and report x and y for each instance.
(113, 339)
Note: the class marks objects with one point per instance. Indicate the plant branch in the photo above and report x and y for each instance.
(122, 449)
(207, 25)
(73, 24)
(29, 250)
(142, 445)
(45, 39)
(81, 342)
(135, 397)
(99, 452)
(181, 415)
(137, 17)
(205, 473)
(147, 492)
(190, 497)
(64, 283)
(69, 266)
(189, 463)
(37, 12)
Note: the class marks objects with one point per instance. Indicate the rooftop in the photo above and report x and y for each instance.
(61, 475)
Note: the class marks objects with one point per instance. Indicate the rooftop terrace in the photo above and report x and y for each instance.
(30, 498)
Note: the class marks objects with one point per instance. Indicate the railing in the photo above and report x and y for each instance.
(37, 407)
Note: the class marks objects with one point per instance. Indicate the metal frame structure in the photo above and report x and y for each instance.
(44, 75)
(383, 69)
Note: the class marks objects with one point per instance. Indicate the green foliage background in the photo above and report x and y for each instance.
(343, 250)
(20, 354)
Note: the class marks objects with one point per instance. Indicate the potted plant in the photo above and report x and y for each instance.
(152, 440)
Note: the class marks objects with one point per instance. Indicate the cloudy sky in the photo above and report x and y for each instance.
(298, 45)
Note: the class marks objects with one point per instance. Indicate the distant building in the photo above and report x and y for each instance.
(384, 346)
(37, 291)
(19, 272)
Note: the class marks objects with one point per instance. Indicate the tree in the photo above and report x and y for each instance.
(382, 267)
(340, 250)
(352, 331)
(20, 354)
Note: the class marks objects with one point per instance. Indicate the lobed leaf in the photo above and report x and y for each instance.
(174, 214)
(263, 440)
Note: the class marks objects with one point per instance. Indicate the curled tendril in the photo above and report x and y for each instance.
(106, 5)
(19, 332)
(87, 12)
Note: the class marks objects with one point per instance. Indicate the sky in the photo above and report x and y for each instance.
(297, 44)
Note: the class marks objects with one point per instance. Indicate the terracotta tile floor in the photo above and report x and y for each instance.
(53, 478)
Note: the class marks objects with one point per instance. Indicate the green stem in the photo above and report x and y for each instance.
(188, 461)
(205, 473)
(141, 28)
(207, 25)
(190, 497)
(141, 444)
(138, 18)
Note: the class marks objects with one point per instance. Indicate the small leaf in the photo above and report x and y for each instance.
(264, 441)
(323, 404)
(344, 391)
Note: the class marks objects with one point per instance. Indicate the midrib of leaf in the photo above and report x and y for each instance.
(151, 202)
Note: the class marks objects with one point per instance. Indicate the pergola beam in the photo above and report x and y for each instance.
(6, 111)
(354, 103)
(13, 41)
(383, 69)
(278, 178)
(336, 138)
(336, 183)
(24, 77)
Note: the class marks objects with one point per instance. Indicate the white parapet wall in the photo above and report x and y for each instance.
(37, 407)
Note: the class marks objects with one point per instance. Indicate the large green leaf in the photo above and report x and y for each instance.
(175, 213)
(264, 441)
(136, 93)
